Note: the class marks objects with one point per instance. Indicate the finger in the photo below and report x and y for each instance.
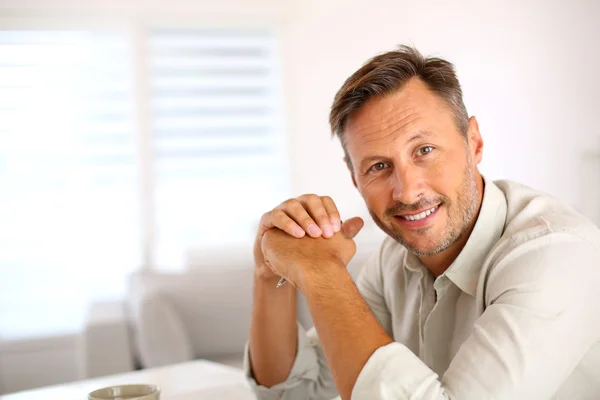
(352, 226)
(279, 219)
(332, 211)
(265, 223)
(295, 210)
(315, 207)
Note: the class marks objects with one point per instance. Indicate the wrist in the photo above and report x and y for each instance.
(321, 275)
(268, 281)
(262, 275)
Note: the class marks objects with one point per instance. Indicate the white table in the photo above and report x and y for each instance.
(195, 380)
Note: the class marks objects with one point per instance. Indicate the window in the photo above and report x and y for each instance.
(117, 152)
(216, 137)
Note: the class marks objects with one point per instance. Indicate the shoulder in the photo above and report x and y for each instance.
(546, 246)
(532, 213)
(385, 263)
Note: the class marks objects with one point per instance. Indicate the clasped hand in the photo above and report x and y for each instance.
(303, 238)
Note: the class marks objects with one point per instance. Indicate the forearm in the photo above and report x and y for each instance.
(348, 330)
(273, 332)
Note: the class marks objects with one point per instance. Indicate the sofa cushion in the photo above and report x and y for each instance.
(160, 335)
(214, 305)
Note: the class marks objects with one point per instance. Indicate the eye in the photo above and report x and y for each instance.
(378, 166)
(424, 150)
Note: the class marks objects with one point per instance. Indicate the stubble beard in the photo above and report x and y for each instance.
(460, 217)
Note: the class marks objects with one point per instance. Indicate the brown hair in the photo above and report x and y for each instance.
(389, 72)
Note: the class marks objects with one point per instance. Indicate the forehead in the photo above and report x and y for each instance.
(409, 111)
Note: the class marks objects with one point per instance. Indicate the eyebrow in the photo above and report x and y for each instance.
(420, 134)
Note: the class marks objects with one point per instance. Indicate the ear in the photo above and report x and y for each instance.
(475, 141)
(351, 170)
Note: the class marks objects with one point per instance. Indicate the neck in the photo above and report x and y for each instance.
(438, 263)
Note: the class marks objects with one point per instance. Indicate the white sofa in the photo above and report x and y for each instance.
(175, 317)
(169, 318)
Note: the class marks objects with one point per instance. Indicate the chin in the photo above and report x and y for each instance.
(422, 247)
(426, 252)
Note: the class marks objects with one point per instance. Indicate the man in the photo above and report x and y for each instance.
(483, 289)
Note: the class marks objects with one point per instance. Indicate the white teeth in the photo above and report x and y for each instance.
(421, 215)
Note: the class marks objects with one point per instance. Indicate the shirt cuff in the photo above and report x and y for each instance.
(395, 372)
(305, 367)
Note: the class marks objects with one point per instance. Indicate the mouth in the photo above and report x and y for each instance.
(418, 219)
(420, 215)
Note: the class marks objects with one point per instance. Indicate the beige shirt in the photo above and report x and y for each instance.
(517, 315)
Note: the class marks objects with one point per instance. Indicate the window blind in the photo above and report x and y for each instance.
(74, 166)
(216, 137)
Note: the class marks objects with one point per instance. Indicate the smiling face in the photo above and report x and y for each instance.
(415, 170)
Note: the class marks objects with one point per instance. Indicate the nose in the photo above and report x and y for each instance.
(408, 184)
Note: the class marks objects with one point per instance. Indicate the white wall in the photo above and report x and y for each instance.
(528, 70)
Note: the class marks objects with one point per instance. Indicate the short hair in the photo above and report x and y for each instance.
(388, 73)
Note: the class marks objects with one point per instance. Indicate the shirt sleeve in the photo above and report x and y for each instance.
(540, 321)
(309, 378)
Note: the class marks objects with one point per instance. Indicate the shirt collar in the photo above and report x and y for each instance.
(464, 271)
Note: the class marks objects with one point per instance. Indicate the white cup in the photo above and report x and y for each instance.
(126, 392)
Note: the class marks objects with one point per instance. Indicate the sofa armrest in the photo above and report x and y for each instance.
(159, 333)
(106, 344)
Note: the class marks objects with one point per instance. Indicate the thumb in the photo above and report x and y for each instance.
(352, 226)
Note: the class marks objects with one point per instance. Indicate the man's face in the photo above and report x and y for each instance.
(415, 170)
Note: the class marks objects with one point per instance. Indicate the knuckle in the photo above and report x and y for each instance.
(266, 217)
(296, 207)
(307, 221)
(330, 205)
(291, 205)
(321, 215)
(289, 225)
(286, 203)
(310, 198)
(278, 215)
(327, 199)
(314, 200)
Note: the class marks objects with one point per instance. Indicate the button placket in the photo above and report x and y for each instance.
(440, 285)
